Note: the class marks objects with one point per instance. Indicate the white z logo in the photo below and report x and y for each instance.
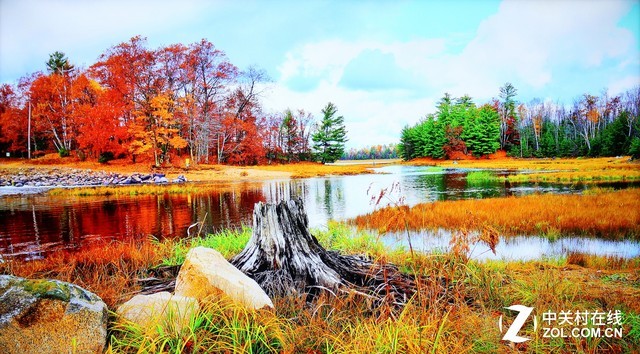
(512, 332)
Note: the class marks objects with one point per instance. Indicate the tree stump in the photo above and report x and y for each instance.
(284, 259)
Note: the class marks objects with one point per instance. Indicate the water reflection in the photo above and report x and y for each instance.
(517, 248)
(36, 224)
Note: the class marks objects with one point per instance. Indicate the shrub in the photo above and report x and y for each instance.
(64, 152)
(105, 157)
(634, 149)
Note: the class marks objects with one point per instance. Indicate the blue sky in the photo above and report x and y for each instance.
(384, 64)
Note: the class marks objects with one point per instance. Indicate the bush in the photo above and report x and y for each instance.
(105, 157)
(63, 152)
(81, 155)
(634, 149)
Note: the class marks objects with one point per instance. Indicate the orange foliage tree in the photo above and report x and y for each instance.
(13, 121)
(143, 103)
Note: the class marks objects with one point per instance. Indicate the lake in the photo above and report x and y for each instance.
(35, 224)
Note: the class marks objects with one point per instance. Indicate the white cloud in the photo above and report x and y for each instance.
(370, 118)
(619, 86)
(526, 42)
(30, 30)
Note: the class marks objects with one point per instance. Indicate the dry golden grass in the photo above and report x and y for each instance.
(108, 269)
(606, 174)
(545, 164)
(606, 214)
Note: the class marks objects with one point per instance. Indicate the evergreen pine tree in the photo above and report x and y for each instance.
(329, 139)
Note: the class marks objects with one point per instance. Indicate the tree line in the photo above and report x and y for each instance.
(385, 151)
(153, 104)
(591, 126)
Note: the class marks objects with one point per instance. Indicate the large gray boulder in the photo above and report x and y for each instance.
(205, 272)
(50, 316)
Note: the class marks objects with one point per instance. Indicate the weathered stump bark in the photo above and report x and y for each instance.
(284, 258)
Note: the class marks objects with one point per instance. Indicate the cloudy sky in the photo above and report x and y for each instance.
(383, 63)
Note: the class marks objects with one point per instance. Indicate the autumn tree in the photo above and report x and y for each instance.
(13, 120)
(51, 97)
(330, 136)
(124, 73)
(208, 74)
(156, 132)
(239, 140)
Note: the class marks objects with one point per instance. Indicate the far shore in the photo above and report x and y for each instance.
(10, 168)
(558, 170)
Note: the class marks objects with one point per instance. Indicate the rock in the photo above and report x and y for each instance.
(170, 311)
(160, 179)
(127, 180)
(50, 316)
(205, 272)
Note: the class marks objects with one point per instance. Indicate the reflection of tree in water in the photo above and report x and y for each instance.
(330, 196)
(70, 226)
(224, 209)
(432, 185)
(453, 186)
(285, 190)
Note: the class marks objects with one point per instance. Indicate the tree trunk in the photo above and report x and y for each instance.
(284, 259)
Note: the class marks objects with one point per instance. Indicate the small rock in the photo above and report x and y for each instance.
(170, 311)
(160, 180)
(179, 179)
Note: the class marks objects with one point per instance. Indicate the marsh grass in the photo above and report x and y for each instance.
(228, 242)
(219, 326)
(566, 170)
(455, 309)
(108, 269)
(611, 215)
(133, 190)
(480, 177)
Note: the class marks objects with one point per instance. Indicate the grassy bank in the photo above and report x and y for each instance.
(461, 319)
(603, 213)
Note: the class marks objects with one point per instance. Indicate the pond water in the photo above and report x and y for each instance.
(33, 225)
(516, 248)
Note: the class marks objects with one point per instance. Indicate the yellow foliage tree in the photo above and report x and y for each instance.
(155, 130)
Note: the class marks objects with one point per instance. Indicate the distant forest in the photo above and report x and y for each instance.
(372, 152)
(591, 126)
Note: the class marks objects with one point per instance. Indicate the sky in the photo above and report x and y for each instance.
(384, 64)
